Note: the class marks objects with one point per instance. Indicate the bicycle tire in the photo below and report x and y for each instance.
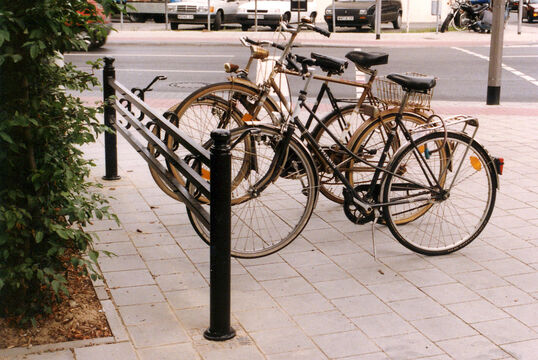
(454, 218)
(343, 127)
(271, 219)
(199, 113)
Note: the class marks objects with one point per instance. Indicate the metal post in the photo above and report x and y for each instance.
(220, 238)
(378, 7)
(496, 54)
(111, 151)
(208, 15)
(334, 17)
(165, 14)
(407, 17)
(519, 16)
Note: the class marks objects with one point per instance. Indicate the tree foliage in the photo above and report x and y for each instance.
(45, 198)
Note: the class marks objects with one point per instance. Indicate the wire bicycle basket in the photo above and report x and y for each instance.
(390, 94)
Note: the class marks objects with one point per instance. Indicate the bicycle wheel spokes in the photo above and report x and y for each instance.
(440, 220)
(343, 126)
(268, 213)
(370, 142)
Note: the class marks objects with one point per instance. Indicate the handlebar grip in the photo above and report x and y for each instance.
(250, 41)
(321, 31)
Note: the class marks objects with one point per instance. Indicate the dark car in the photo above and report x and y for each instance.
(530, 10)
(358, 13)
(513, 4)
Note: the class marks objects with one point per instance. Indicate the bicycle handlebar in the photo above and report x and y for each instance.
(246, 40)
(318, 30)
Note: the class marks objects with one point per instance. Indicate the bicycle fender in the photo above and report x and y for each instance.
(252, 86)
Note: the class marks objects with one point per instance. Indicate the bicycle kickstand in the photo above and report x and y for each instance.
(377, 215)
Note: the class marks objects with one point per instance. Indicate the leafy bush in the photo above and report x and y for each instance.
(45, 199)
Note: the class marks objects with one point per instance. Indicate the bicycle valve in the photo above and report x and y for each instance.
(230, 68)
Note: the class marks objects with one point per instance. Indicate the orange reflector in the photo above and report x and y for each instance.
(206, 174)
(475, 163)
(247, 117)
(421, 148)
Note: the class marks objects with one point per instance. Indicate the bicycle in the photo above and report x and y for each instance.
(244, 103)
(205, 109)
(428, 194)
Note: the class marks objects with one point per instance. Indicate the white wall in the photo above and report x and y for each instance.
(420, 10)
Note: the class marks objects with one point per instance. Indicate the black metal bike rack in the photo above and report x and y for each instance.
(218, 159)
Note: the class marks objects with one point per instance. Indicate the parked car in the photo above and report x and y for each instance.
(271, 12)
(195, 12)
(530, 10)
(97, 31)
(358, 13)
(513, 4)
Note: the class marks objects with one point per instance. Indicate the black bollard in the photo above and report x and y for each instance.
(111, 151)
(220, 238)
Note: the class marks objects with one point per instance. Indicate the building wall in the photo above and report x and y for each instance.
(419, 10)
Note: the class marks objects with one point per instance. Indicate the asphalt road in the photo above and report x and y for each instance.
(462, 72)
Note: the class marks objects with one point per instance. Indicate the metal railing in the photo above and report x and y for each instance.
(218, 159)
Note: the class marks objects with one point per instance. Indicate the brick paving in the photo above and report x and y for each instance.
(324, 296)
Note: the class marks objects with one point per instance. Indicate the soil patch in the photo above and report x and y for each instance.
(78, 317)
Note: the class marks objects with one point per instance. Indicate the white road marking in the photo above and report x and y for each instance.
(359, 76)
(161, 70)
(520, 56)
(507, 68)
(148, 55)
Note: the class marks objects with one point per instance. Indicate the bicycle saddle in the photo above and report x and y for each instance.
(416, 83)
(364, 59)
(330, 64)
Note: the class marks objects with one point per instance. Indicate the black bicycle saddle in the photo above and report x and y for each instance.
(330, 64)
(365, 59)
(416, 83)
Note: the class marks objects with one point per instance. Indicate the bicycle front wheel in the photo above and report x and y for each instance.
(447, 187)
(224, 105)
(267, 213)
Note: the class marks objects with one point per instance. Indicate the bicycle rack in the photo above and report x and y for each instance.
(218, 159)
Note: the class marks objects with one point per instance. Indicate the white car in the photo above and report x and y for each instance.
(195, 12)
(270, 12)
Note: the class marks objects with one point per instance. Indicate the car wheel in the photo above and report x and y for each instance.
(217, 24)
(398, 22)
(159, 19)
(529, 18)
(330, 27)
(137, 18)
(174, 26)
(245, 27)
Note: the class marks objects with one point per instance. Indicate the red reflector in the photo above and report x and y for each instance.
(499, 164)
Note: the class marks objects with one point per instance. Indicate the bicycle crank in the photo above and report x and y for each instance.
(352, 210)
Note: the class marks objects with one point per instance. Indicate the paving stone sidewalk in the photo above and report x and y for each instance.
(324, 296)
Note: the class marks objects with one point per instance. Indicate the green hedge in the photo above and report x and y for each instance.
(45, 198)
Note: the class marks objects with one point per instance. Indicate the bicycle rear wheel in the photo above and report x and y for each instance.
(447, 208)
(343, 126)
(369, 143)
(268, 214)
